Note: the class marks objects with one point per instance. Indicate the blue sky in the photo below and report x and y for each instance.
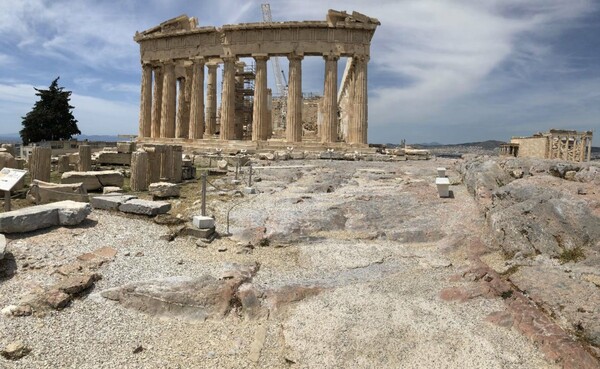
(441, 70)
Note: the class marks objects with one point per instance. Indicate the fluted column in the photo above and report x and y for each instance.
(269, 118)
(294, 104)
(260, 120)
(357, 132)
(157, 102)
(182, 125)
(228, 99)
(145, 128)
(211, 99)
(167, 121)
(197, 100)
(329, 127)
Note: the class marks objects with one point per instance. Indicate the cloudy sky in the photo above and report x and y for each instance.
(441, 70)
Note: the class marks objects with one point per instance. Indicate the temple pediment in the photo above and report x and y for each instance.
(181, 23)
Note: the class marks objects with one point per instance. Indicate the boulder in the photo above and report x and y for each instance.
(44, 216)
(15, 350)
(590, 174)
(94, 180)
(57, 299)
(42, 192)
(163, 190)
(7, 160)
(110, 202)
(76, 284)
(145, 207)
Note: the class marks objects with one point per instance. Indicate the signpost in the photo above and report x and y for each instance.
(9, 177)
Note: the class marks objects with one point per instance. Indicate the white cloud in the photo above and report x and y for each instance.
(445, 62)
(101, 116)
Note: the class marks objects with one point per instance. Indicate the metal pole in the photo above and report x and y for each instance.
(203, 176)
(7, 200)
(237, 168)
(250, 176)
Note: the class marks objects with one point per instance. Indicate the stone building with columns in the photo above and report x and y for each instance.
(560, 144)
(178, 55)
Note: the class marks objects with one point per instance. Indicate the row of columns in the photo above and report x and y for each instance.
(158, 117)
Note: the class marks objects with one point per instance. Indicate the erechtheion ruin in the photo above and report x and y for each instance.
(554, 144)
(175, 55)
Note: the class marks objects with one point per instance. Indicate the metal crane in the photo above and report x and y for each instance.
(280, 81)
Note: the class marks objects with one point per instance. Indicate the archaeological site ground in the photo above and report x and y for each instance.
(267, 233)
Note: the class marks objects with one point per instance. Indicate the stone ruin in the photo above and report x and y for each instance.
(555, 144)
(175, 53)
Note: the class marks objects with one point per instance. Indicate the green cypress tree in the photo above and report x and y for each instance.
(51, 117)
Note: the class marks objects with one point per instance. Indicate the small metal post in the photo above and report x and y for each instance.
(7, 200)
(237, 168)
(250, 176)
(203, 176)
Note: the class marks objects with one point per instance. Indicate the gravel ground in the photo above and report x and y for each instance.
(380, 243)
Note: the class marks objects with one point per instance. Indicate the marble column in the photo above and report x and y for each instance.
(167, 121)
(260, 122)
(329, 128)
(157, 102)
(357, 132)
(182, 126)
(228, 100)
(188, 96)
(269, 119)
(145, 128)
(211, 100)
(197, 100)
(294, 102)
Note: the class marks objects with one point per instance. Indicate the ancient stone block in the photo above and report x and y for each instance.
(94, 180)
(43, 192)
(139, 171)
(63, 164)
(110, 202)
(2, 246)
(164, 190)
(39, 163)
(203, 222)
(44, 216)
(145, 207)
(112, 190)
(125, 147)
(85, 158)
(113, 158)
(443, 186)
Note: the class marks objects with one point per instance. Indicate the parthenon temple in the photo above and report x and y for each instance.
(175, 108)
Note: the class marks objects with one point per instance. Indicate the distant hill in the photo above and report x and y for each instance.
(10, 138)
(487, 145)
